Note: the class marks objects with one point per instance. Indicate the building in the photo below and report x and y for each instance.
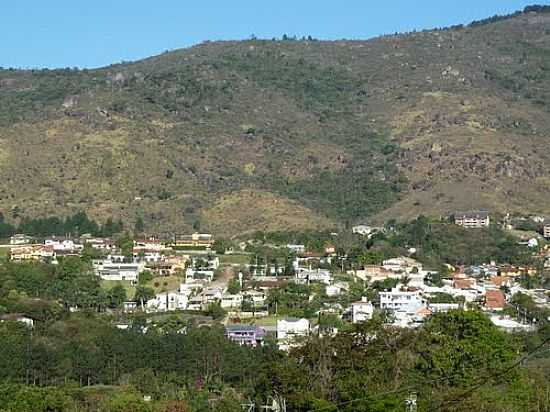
(194, 241)
(168, 301)
(494, 300)
(99, 243)
(399, 301)
(291, 331)
(17, 317)
(546, 229)
(361, 311)
(402, 264)
(20, 239)
(230, 301)
(108, 270)
(194, 274)
(32, 252)
(296, 248)
(362, 230)
(304, 275)
(472, 219)
(245, 335)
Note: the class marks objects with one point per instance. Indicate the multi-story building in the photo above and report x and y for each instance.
(290, 331)
(108, 270)
(472, 219)
(246, 335)
(399, 301)
(361, 311)
(196, 240)
(546, 229)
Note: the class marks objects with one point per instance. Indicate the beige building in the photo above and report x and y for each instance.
(472, 219)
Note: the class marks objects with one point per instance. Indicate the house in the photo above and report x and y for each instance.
(373, 273)
(195, 303)
(472, 219)
(245, 335)
(99, 243)
(20, 239)
(32, 252)
(257, 297)
(230, 301)
(63, 245)
(193, 274)
(296, 248)
(194, 241)
(290, 331)
(336, 289)
(497, 282)
(149, 246)
(108, 270)
(443, 307)
(361, 229)
(399, 301)
(130, 306)
(212, 295)
(362, 310)
(168, 301)
(168, 265)
(546, 229)
(463, 283)
(494, 300)
(402, 264)
(304, 275)
(17, 317)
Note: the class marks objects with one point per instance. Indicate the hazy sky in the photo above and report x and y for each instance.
(84, 33)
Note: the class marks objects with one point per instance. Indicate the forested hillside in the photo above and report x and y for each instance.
(279, 133)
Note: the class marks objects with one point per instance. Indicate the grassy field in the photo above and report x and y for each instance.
(165, 283)
(234, 259)
(109, 284)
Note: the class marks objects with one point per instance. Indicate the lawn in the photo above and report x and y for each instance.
(165, 283)
(130, 289)
(234, 259)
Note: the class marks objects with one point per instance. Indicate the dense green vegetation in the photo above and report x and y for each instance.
(77, 224)
(456, 362)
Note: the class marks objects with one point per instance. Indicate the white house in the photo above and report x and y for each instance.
(20, 239)
(362, 310)
(65, 245)
(304, 275)
(17, 317)
(296, 248)
(168, 301)
(230, 301)
(336, 289)
(193, 274)
(362, 230)
(399, 301)
(291, 331)
(108, 270)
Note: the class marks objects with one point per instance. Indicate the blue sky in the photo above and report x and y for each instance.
(83, 33)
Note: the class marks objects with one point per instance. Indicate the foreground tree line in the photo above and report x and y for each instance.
(459, 361)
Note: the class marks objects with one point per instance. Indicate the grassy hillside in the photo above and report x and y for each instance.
(325, 132)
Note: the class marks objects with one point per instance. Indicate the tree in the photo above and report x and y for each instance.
(216, 311)
(139, 226)
(145, 277)
(233, 286)
(117, 296)
(143, 294)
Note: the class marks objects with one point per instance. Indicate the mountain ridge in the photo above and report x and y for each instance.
(427, 122)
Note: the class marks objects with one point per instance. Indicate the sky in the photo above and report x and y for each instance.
(84, 33)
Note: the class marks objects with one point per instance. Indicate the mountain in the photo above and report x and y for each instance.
(289, 134)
